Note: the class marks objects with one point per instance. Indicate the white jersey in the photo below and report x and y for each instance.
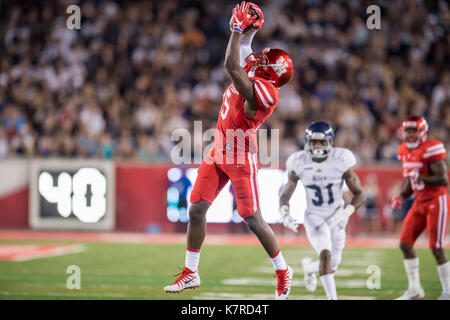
(323, 181)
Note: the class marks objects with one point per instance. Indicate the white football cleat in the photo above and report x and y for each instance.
(412, 294)
(187, 279)
(310, 277)
(444, 296)
(284, 282)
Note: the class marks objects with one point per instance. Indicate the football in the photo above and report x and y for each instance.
(252, 12)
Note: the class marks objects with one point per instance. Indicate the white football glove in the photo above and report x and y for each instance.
(287, 220)
(341, 216)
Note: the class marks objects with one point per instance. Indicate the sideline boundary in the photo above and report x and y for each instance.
(180, 238)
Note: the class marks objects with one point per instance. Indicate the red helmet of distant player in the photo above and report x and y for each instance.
(414, 131)
(274, 65)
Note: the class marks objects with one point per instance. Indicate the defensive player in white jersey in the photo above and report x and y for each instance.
(323, 170)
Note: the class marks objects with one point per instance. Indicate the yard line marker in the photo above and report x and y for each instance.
(20, 253)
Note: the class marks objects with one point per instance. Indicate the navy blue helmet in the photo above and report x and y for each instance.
(319, 130)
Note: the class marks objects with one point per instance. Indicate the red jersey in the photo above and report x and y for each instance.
(419, 159)
(235, 134)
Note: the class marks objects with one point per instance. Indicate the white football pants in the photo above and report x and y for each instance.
(322, 237)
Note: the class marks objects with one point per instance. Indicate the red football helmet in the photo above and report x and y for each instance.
(414, 139)
(274, 65)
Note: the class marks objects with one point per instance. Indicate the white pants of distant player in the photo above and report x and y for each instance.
(322, 237)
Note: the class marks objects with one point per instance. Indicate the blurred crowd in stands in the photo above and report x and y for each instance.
(137, 70)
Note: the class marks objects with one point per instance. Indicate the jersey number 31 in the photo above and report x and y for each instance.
(318, 201)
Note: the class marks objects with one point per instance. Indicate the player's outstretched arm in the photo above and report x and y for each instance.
(406, 192)
(288, 189)
(438, 175)
(359, 197)
(238, 75)
(285, 196)
(355, 187)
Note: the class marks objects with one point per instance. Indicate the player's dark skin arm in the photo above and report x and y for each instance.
(407, 189)
(353, 183)
(238, 75)
(438, 175)
(288, 189)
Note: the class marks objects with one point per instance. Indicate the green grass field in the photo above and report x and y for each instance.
(140, 271)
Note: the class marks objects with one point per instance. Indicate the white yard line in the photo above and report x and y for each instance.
(240, 296)
(58, 251)
(63, 294)
(340, 283)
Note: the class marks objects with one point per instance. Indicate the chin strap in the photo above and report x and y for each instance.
(412, 145)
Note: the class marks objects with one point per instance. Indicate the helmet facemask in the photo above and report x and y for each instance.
(254, 61)
(322, 151)
(414, 139)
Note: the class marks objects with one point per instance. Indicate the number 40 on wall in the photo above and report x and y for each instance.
(70, 193)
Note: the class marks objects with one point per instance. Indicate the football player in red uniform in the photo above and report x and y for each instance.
(425, 174)
(247, 102)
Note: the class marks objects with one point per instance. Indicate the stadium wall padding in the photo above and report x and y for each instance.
(14, 180)
(141, 196)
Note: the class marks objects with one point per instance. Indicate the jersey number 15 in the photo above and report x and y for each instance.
(225, 104)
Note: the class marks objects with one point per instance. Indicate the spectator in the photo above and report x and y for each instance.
(136, 71)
